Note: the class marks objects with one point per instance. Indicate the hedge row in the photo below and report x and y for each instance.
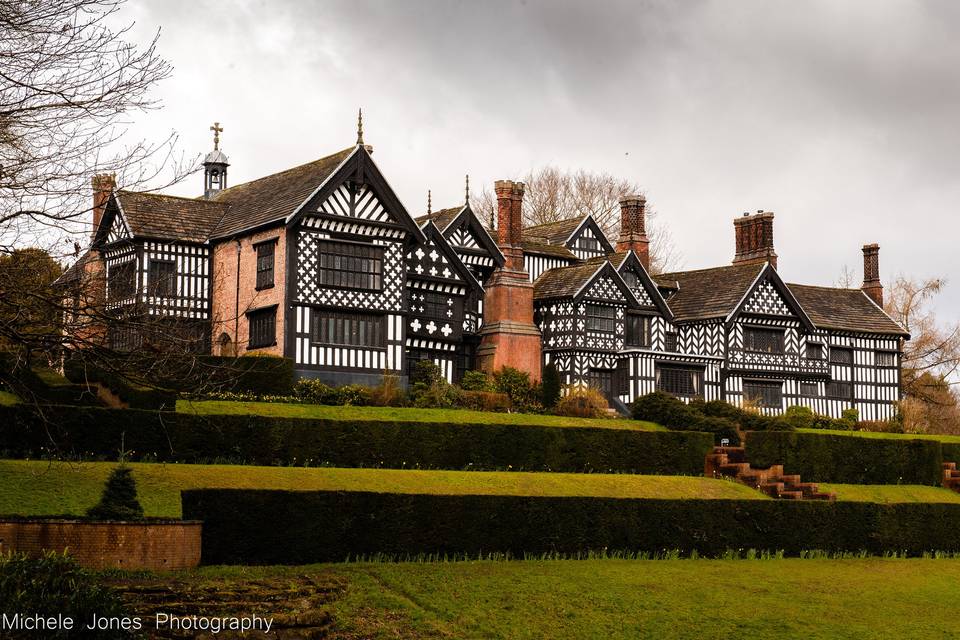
(42, 384)
(249, 439)
(289, 527)
(851, 459)
(135, 395)
(265, 375)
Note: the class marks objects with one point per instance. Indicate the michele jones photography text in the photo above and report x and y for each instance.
(166, 621)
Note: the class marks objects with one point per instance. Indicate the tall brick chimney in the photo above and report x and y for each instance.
(754, 235)
(633, 228)
(509, 336)
(103, 185)
(871, 273)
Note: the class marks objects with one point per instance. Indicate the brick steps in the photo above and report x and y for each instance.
(951, 477)
(731, 462)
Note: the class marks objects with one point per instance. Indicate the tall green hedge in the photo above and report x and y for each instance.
(288, 527)
(820, 457)
(135, 395)
(250, 439)
(266, 375)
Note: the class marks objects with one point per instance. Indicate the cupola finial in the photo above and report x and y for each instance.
(360, 126)
(217, 129)
(466, 198)
(429, 202)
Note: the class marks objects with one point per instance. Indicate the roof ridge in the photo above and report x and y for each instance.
(167, 195)
(280, 173)
(723, 266)
(546, 224)
(820, 286)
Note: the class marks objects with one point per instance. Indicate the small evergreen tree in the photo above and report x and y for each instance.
(119, 498)
(551, 386)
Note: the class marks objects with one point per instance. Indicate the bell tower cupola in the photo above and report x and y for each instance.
(215, 166)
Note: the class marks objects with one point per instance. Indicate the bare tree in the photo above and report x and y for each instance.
(552, 194)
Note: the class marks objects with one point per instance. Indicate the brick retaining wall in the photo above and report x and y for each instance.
(154, 545)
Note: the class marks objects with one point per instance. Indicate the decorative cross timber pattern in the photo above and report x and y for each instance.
(390, 298)
(463, 237)
(352, 200)
(766, 300)
(606, 289)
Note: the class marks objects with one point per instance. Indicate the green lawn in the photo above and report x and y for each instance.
(614, 599)
(882, 436)
(404, 414)
(42, 488)
(8, 399)
(889, 493)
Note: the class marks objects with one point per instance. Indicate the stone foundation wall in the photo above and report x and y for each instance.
(153, 545)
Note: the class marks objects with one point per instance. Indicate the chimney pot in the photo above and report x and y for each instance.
(871, 273)
(754, 238)
(633, 228)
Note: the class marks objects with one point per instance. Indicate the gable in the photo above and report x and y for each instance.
(606, 288)
(472, 242)
(642, 286)
(588, 240)
(631, 275)
(769, 296)
(766, 300)
(113, 226)
(436, 259)
(463, 237)
(357, 194)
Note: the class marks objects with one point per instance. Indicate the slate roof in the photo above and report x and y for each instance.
(564, 282)
(553, 232)
(708, 293)
(441, 218)
(169, 217)
(274, 197)
(616, 259)
(844, 310)
(75, 271)
(553, 250)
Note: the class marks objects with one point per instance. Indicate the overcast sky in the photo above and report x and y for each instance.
(841, 117)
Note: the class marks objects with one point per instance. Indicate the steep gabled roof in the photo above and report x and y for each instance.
(844, 310)
(74, 273)
(441, 218)
(553, 232)
(273, 198)
(434, 235)
(153, 215)
(552, 250)
(629, 259)
(571, 281)
(709, 293)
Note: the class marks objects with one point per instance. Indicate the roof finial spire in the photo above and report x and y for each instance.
(216, 128)
(429, 202)
(466, 198)
(360, 126)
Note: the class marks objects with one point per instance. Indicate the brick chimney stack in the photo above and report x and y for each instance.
(103, 185)
(754, 236)
(633, 228)
(510, 221)
(871, 273)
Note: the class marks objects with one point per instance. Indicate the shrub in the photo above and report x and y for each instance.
(312, 391)
(53, 584)
(665, 410)
(93, 433)
(280, 527)
(428, 387)
(426, 373)
(582, 402)
(352, 395)
(524, 396)
(119, 498)
(476, 381)
(797, 417)
(551, 386)
(388, 393)
(483, 401)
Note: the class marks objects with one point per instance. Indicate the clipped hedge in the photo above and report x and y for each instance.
(849, 459)
(135, 395)
(289, 527)
(42, 384)
(265, 375)
(262, 440)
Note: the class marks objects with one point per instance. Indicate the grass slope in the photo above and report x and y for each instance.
(41, 488)
(620, 599)
(404, 414)
(883, 436)
(890, 493)
(8, 399)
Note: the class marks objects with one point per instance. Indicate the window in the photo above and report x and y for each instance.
(886, 359)
(808, 389)
(346, 328)
(763, 340)
(631, 277)
(601, 318)
(265, 252)
(680, 381)
(350, 265)
(587, 243)
(840, 390)
(670, 341)
(122, 280)
(767, 394)
(430, 304)
(601, 380)
(162, 278)
(841, 355)
(814, 351)
(623, 377)
(638, 331)
(263, 328)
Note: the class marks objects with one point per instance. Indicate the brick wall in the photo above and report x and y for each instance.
(108, 545)
(224, 285)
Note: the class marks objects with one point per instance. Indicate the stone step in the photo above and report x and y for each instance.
(772, 489)
(808, 488)
(733, 469)
(790, 479)
(791, 495)
(734, 454)
(949, 466)
(832, 497)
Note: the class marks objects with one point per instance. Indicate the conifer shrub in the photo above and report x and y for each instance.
(476, 381)
(54, 584)
(551, 386)
(525, 396)
(119, 498)
(674, 414)
(582, 402)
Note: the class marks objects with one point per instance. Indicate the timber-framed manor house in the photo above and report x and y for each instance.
(323, 264)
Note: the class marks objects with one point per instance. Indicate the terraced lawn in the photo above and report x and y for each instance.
(883, 436)
(8, 399)
(890, 493)
(41, 488)
(404, 414)
(616, 599)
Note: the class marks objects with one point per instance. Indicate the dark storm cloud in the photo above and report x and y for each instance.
(839, 116)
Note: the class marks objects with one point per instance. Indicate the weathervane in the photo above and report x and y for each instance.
(216, 128)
